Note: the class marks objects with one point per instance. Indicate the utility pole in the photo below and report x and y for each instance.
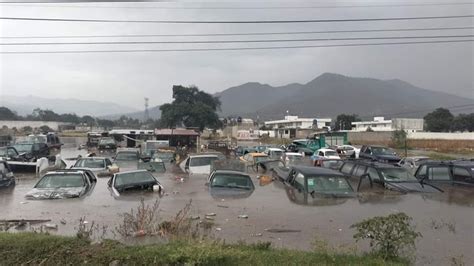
(147, 115)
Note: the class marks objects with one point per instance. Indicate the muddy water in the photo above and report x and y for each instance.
(268, 207)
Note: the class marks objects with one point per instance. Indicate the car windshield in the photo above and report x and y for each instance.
(328, 184)
(260, 158)
(165, 156)
(397, 175)
(90, 163)
(336, 184)
(276, 154)
(202, 161)
(382, 151)
(106, 142)
(61, 181)
(126, 156)
(232, 181)
(3, 152)
(133, 178)
(23, 147)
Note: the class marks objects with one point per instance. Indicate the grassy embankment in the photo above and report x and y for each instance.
(36, 248)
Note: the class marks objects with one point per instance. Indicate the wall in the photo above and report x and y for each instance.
(359, 138)
(408, 124)
(34, 124)
(443, 136)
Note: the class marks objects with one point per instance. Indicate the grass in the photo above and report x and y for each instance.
(35, 248)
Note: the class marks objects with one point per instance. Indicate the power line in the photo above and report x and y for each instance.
(244, 41)
(239, 8)
(237, 34)
(235, 48)
(234, 21)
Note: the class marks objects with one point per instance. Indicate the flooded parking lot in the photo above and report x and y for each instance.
(444, 219)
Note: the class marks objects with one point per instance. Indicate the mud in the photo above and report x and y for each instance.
(270, 214)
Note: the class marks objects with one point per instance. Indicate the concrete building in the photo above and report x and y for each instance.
(293, 122)
(380, 124)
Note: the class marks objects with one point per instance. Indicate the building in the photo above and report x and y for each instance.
(380, 124)
(296, 122)
(178, 136)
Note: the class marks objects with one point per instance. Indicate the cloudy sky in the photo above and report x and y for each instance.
(127, 78)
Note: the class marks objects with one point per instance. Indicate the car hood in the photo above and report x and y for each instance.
(410, 187)
(220, 192)
(391, 158)
(55, 193)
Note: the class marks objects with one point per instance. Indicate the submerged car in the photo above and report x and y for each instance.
(227, 183)
(316, 182)
(387, 175)
(107, 144)
(152, 165)
(101, 166)
(274, 153)
(254, 159)
(379, 153)
(139, 180)
(32, 151)
(334, 164)
(292, 157)
(459, 173)
(127, 158)
(412, 163)
(348, 151)
(6, 175)
(198, 163)
(71, 183)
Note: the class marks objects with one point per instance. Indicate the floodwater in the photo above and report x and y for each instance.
(445, 220)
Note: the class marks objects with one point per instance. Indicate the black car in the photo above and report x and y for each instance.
(459, 172)
(107, 144)
(139, 180)
(32, 151)
(379, 153)
(9, 153)
(387, 175)
(6, 175)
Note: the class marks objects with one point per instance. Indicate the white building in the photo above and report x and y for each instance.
(380, 124)
(294, 122)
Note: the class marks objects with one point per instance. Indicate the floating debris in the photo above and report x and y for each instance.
(209, 218)
(222, 206)
(218, 229)
(211, 214)
(51, 226)
(276, 230)
(257, 235)
(63, 221)
(243, 216)
(196, 217)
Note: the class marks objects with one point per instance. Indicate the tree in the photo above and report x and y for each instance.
(440, 120)
(88, 120)
(44, 115)
(7, 114)
(191, 108)
(463, 122)
(344, 121)
(70, 118)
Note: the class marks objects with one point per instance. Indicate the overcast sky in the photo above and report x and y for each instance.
(127, 78)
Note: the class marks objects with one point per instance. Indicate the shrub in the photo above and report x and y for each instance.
(388, 235)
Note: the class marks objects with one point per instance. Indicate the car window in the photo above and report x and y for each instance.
(360, 170)
(59, 181)
(3, 169)
(373, 173)
(461, 174)
(299, 181)
(321, 153)
(347, 167)
(421, 171)
(202, 161)
(438, 173)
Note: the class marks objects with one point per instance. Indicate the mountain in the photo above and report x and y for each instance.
(331, 94)
(153, 113)
(24, 105)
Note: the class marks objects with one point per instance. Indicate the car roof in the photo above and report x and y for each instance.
(373, 163)
(311, 170)
(294, 153)
(326, 149)
(467, 163)
(275, 149)
(203, 155)
(231, 172)
(132, 171)
(92, 158)
(67, 171)
(257, 154)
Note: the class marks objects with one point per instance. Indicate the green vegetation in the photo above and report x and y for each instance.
(389, 236)
(441, 120)
(399, 139)
(34, 248)
(344, 121)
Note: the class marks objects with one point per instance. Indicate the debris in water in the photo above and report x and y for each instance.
(276, 230)
(218, 229)
(243, 216)
(85, 222)
(211, 214)
(222, 206)
(257, 235)
(340, 229)
(63, 221)
(196, 217)
(265, 180)
(175, 192)
(209, 218)
(140, 233)
(51, 226)
(24, 202)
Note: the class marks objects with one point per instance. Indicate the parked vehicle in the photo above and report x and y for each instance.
(127, 158)
(387, 175)
(293, 158)
(107, 144)
(9, 153)
(379, 153)
(305, 181)
(101, 166)
(318, 141)
(93, 139)
(348, 151)
(274, 153)
(138, 180)
(459, 173)
(242, 150)
(7, 178)
(261, 148)
(412, 163)
(59, 184)
(31, 151)
(150, 147)
(227, 183)
(334, 164)
(198, 163)
(153, 165)
(254, 159)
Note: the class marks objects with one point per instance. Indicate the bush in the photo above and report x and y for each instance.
(389, 235)
(399, 139)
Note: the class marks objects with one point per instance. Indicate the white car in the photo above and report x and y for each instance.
(293, 157)
(349, 150)
(327, 154)
(274, 153)
(198, 164)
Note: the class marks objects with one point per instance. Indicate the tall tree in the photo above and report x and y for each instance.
(7, 114)
(344, 121)
(191, 108)
(463, 122)
(440, 120)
